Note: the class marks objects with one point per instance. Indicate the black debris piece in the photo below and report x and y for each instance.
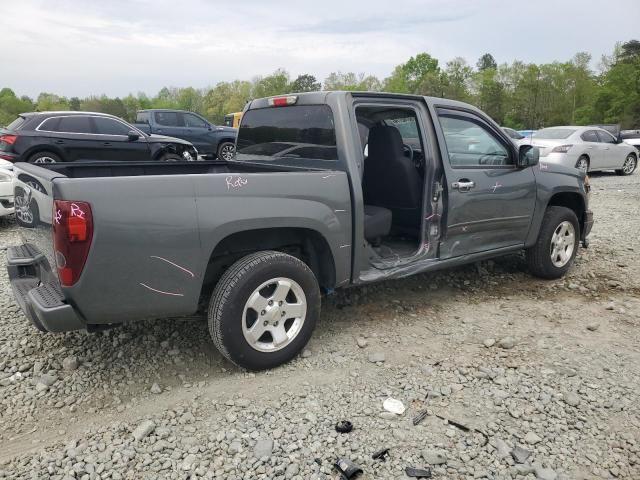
(347, 468)
(381, 454)
(421, 416)
(418, 472)
(344, 426)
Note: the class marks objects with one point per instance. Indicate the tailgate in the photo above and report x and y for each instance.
(31, 266)
(33, 189)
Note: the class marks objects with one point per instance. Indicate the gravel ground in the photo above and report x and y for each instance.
(548, 372)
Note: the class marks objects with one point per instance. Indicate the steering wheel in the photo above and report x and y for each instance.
(409, 149)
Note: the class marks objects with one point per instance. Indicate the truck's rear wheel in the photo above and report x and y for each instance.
(264, 309)
(557, 243)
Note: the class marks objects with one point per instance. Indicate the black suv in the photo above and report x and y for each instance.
(49, 137)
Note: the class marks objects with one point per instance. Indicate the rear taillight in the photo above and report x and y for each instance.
(10, 139)
(282, 101)
(72, 234)
(562, 149)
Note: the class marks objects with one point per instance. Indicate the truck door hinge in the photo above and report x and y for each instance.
(437, 191)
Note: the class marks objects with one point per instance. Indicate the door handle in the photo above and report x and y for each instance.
(463, 185)
(59, 142)
(158, 129)
(107, 144)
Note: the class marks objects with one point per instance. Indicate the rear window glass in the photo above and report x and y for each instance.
(142, 117)
(16, 124)
(554, 133)
(300, 135)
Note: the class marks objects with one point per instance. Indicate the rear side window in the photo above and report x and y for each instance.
(109, 126)
(142, 117)
(71, 124)
(590, 136)
(168, 119)
(193, 121)
(300, 135)
(50, 125)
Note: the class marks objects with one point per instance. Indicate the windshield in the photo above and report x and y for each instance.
(554, 133)
(298, 135)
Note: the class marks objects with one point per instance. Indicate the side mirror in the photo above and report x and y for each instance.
(132, 136)
(528, 156)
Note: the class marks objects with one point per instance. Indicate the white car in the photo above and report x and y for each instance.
(6, 188)
(632, 137)
(587, 148)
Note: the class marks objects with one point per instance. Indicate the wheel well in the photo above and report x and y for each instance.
(585, 155)
(42, 148)
(306, 244)
(572, 201)
(224, 140)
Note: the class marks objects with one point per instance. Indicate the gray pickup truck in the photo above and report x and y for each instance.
(327, 190)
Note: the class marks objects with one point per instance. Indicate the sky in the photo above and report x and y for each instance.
(116, 47)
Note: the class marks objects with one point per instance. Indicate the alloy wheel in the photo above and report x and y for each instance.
(629, 164)
(274, 314)
(563, 242)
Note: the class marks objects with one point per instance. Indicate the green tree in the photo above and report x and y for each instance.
(11, 106)
(486, 61)
(456, 80)
(275, 84)
(350, 81)
(51, 102)
(305, 83)
(420, 74)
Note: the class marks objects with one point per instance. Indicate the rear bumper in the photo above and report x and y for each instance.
(38, 296)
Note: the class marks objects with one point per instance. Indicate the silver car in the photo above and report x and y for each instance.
(587, 148)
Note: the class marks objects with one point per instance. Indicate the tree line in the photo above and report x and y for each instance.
(518, 95)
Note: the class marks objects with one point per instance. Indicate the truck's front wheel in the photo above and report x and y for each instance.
(264, 309)
(557, 243)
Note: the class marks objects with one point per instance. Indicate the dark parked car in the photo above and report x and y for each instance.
(213, 141)
(50, 137)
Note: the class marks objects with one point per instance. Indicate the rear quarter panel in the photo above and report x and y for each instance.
(154, 235)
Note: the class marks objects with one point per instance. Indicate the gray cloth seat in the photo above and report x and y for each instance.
(377, 222)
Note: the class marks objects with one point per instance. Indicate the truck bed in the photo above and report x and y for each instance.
(155, 228)
(127, 169)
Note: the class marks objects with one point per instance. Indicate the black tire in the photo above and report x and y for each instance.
(583, 158)
(226, 151)
(539, 256)
(238, 283)
(630, 158)
(50, 156)
(170, 157)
